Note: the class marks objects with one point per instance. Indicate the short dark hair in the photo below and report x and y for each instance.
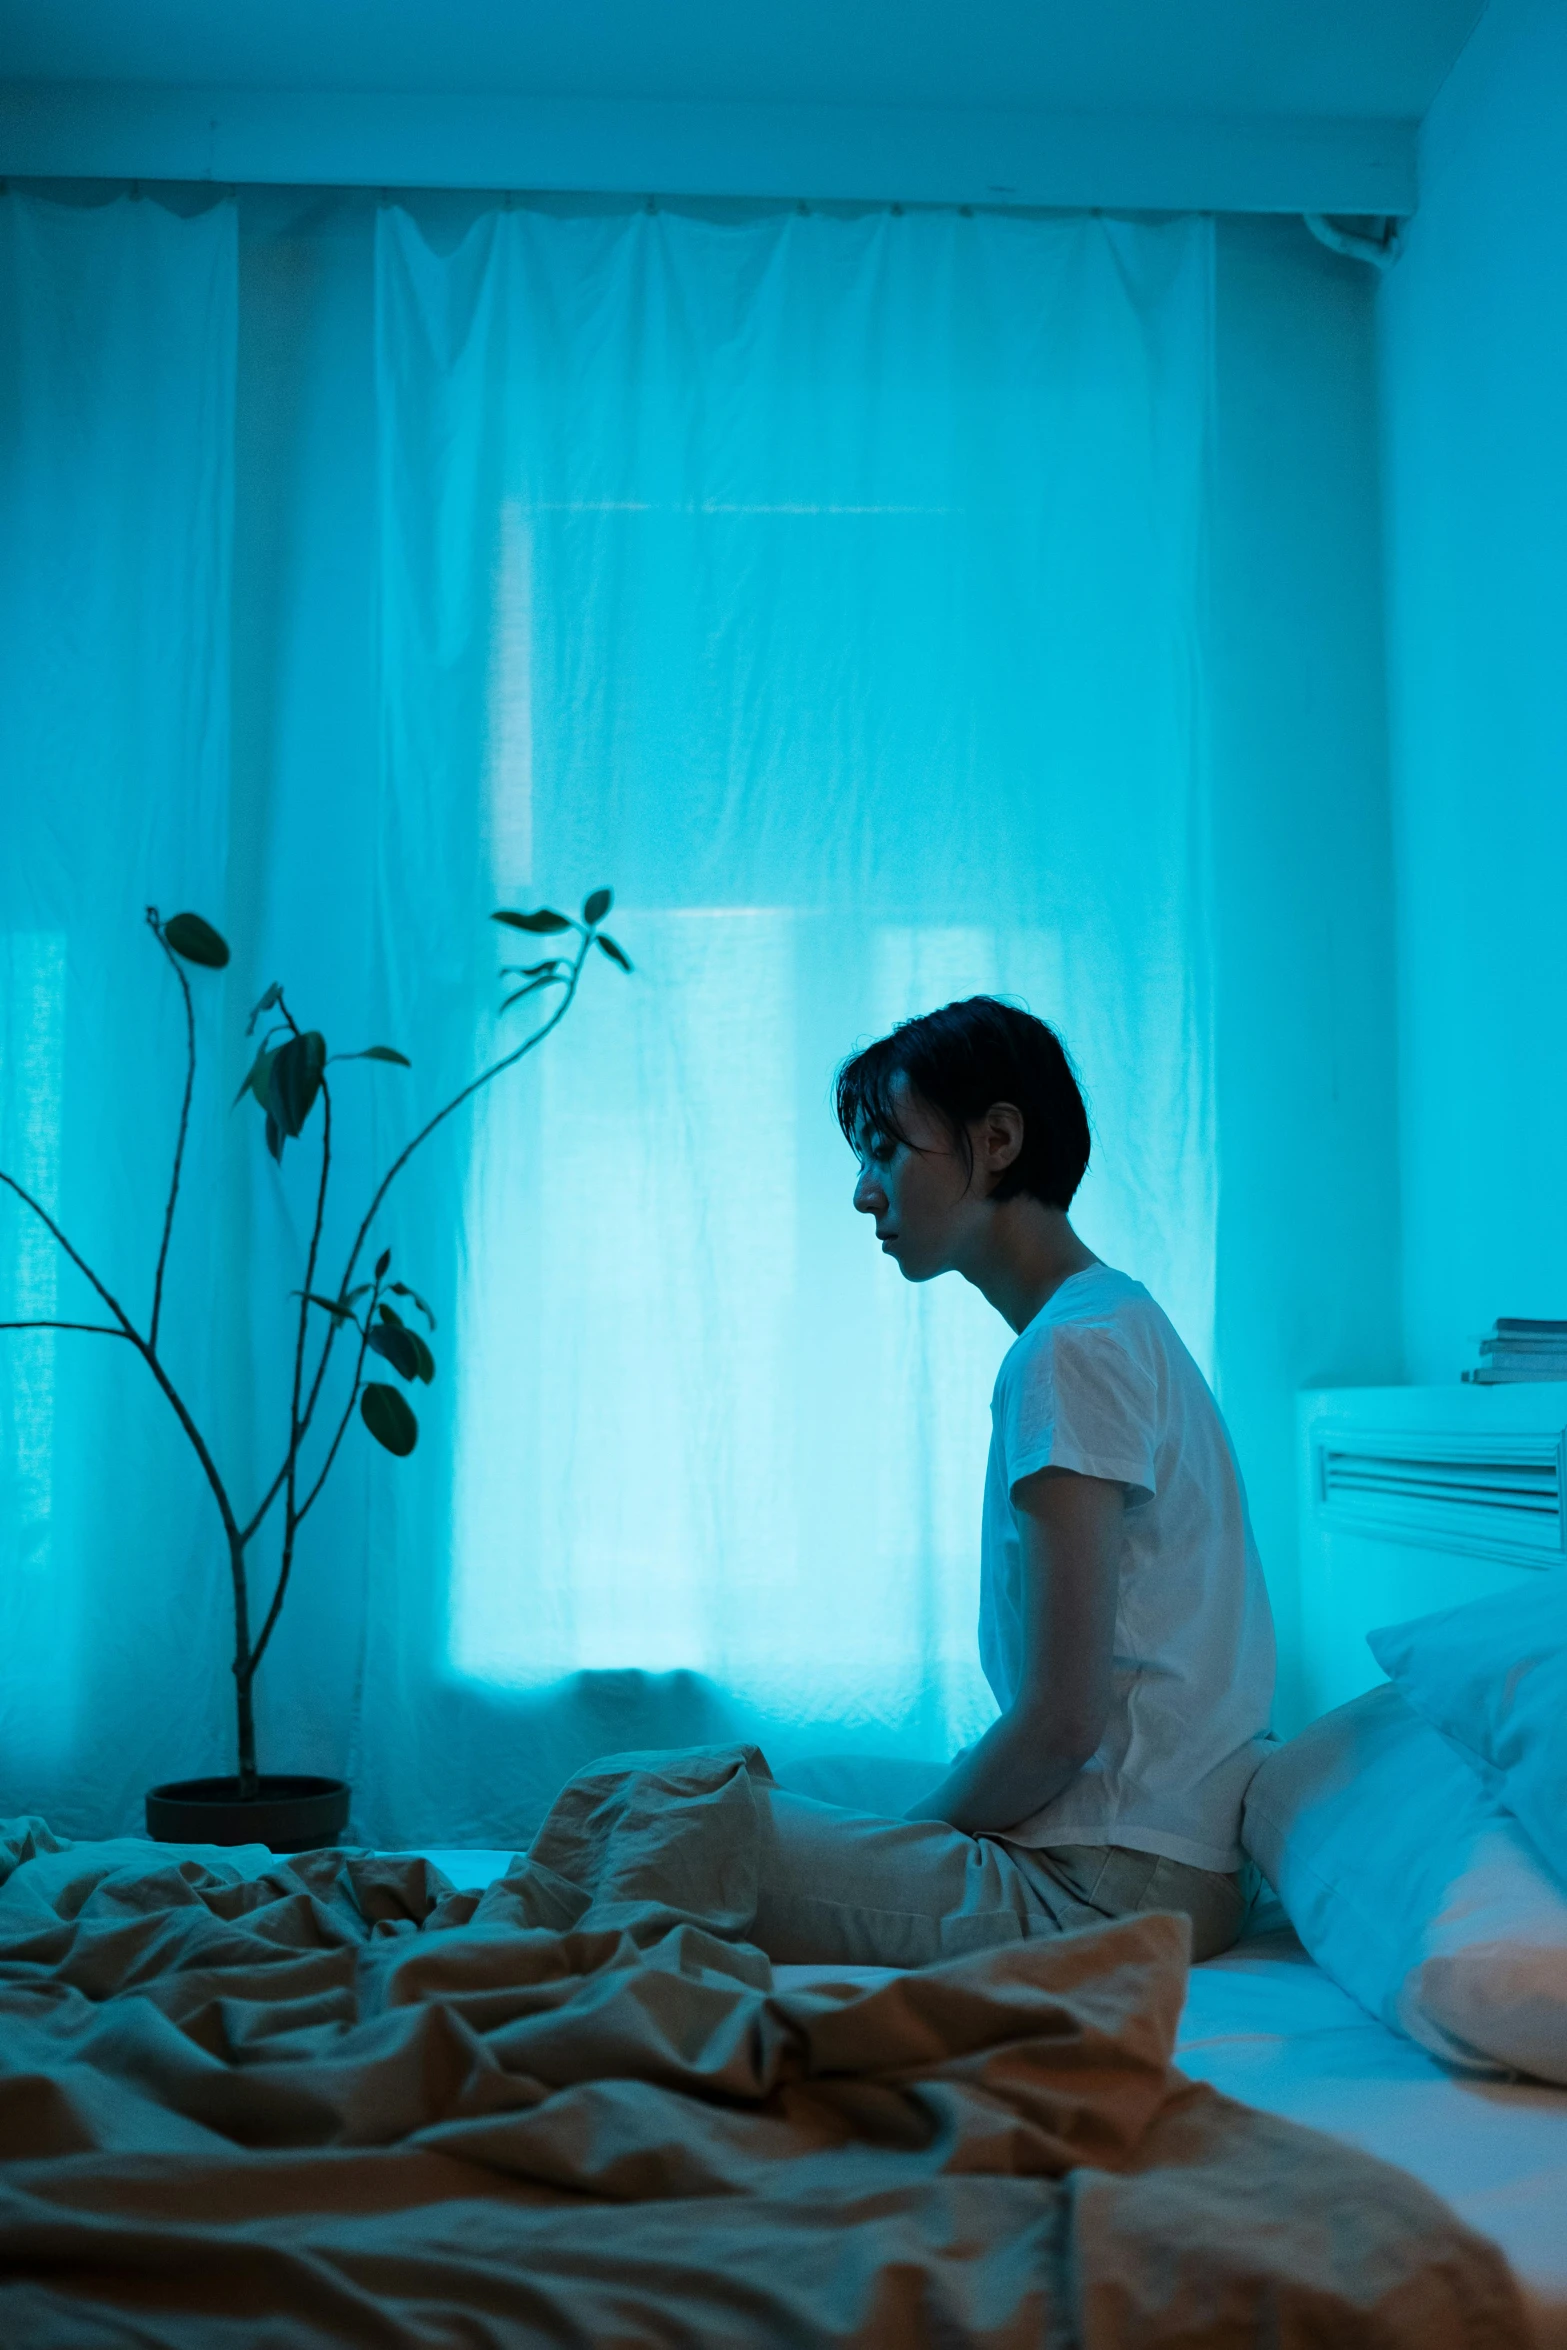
(960, 1061)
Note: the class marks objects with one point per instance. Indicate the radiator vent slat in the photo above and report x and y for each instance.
(1500, 1494)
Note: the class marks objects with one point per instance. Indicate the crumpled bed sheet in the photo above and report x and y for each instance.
(327, 2100)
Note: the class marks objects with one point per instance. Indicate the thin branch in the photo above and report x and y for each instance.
(175, 965)
(100, 1329)
(485, 1077)
(297, 1425)
(249, 1529)
(127, 1327)
(279, 1481)
(310, 1263)
(296, 1432)
(297, 1516)
(342, 1426)
(143, 1348)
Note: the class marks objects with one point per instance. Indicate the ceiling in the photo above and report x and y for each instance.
(1324, 74)
(1291, 57)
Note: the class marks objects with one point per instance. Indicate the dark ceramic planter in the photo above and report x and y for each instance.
(289, 1814)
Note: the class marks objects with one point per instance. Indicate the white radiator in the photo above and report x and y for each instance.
(1418, 1498)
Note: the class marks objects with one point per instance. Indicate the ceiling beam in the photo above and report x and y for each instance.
(916, 155)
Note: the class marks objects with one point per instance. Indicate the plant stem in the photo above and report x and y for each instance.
(245, 1661)
(296, 1517)
(285, 1471)
(485, 1077)
(309, 1501)
(247, 1658)
(128, 1329)
(156, 927)
(99, 1329)
(296, 1427)
(243, 1666)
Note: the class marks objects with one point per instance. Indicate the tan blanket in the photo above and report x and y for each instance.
(324, 2101)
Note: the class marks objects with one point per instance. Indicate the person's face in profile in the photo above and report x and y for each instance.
(926, 1202)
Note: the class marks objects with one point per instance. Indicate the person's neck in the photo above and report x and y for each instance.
(1026, 1253)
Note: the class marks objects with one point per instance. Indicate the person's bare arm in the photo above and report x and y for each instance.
(1071, 1529)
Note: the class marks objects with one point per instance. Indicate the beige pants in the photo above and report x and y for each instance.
(845, 1889)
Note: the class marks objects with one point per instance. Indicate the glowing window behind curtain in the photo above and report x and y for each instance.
(829, 585)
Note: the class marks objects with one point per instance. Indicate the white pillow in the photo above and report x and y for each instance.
(1493, 1677)
(1413, 1889)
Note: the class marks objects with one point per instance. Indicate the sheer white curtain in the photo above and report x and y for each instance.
(831, 586)
(117, 358)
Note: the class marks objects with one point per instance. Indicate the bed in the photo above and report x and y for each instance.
(1266, 2026)
(250, 2102)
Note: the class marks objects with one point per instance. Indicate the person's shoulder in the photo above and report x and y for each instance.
(1128, 1318)
(1097, 1306)
(1100, 1315)
(1099, 1297)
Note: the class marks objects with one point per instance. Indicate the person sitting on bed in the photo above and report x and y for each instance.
(1124, 1624)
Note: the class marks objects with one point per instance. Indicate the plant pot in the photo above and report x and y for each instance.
(288, 1814)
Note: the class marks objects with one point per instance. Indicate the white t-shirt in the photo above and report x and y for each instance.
(1099, 1382)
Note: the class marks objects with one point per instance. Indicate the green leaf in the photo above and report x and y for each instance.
(533, 970)
(196, 940)
(616, 954)
(383, 1264)
(396, 1346)
(389, 1419)
(390, 1314)
(273, 995)
(294, 1079)
(546, 919)
(358, 1290)
(256, 1078)
(377, 1052)
(340, 1308)
(597, 906)
(401, 1289)
(261, 1076)
(274, 1138)
(426, 1359)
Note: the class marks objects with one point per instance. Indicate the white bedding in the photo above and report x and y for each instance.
(1265, 2025)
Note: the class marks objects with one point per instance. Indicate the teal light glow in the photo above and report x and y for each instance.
(32, 1075)
(834, 586)
(869, 675)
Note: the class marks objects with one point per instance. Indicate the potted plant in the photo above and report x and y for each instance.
(287, 1082)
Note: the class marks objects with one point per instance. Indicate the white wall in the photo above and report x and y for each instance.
(1473, 325)
(1305, 1065)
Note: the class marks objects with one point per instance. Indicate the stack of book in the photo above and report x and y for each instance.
(1520, 1349)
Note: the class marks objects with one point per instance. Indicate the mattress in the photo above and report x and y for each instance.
(1265, 2025)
